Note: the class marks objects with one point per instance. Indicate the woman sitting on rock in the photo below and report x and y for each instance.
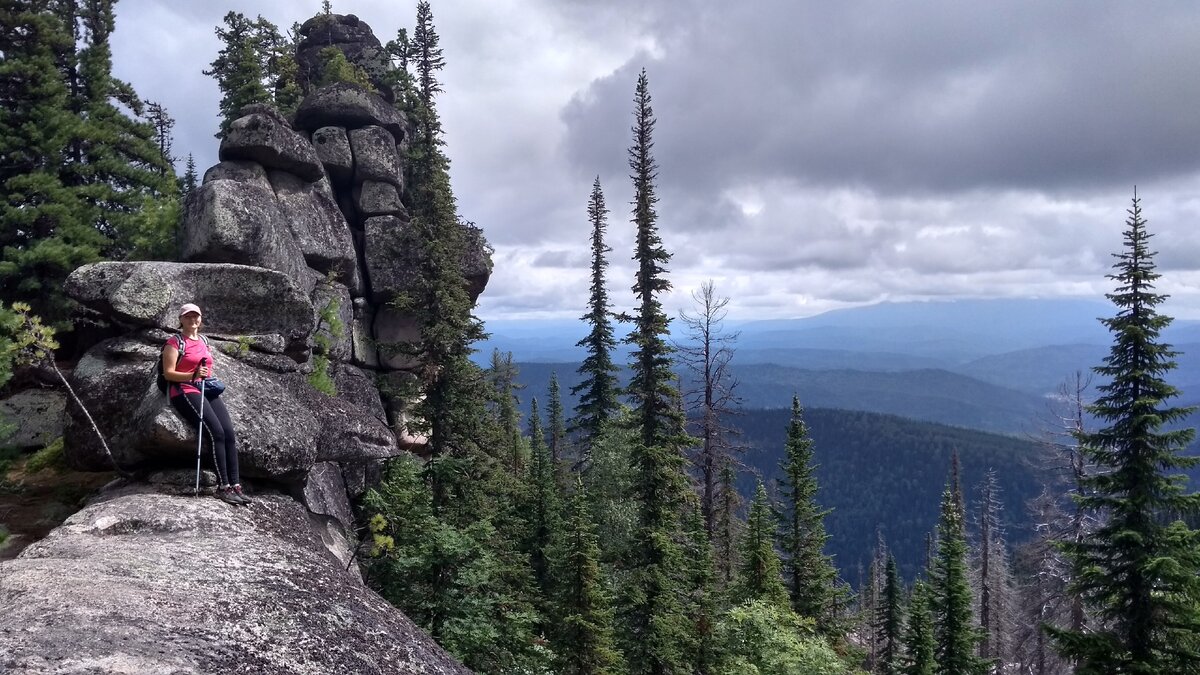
(182, 374)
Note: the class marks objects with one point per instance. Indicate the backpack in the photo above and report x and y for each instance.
(159, 378)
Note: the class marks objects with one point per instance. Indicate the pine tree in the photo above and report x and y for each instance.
(583, 627)
(657, 628)
(711, 399)
(954, 625)
(759, 577)
(597, 391)
(701, 604)
(558, 429)
(1138, 570)
(920, 643)
(810, 573)
(994, 579)
(888, 622)
(162, 122)
(190, 179)
(503, 374)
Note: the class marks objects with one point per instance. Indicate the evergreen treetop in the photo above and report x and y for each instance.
(1138, 570)
(759, 577)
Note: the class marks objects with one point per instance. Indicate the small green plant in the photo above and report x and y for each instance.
(335, 330)
(3, 534)
(50, 457)
(240, 348)
(337, 68)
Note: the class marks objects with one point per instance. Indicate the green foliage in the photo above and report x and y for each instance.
(558, 429)
(582, 628)
(765, 638)
(759, 577)
(1138, 570)
(82, 179)
(810, 573)
(920, 644)
(256, 64)
(50, 457)
(450, 579)
(334, 330)
(956, 634)
(335, 67)
(726, 532)
(544, 510)
(597, 391)
(503, 374)
(889, 621)
(609, 482)
(701, 601)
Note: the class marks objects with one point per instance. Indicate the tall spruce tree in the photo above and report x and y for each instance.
(657, 629)
(810, 574)
(701, 603)
(1139, 570)
(726, 533)
(503, 374)
(955, 631)
(597, 391)
(238, 68)
(583, 621)
(889, 621)
(759, 577)
(543, 514)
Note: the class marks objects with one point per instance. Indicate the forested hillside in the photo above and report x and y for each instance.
(888, 472)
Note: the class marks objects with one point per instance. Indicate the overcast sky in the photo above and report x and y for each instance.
(812, 155)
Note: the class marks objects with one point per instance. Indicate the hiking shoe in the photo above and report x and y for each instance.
(228, 496)
(237, 490)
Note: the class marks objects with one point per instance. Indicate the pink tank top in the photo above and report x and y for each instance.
(193, 351)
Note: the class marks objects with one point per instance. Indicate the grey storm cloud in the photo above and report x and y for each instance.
(929, 96)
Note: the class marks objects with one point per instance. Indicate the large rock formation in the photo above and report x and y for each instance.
(146, 582)
(293, 245)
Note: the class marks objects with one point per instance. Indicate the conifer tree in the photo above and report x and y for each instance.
(759, 577)
(701, 605)
(597, 391)
(558, 429)
(190, 179)
(583, 620)
(503, 374)
(955, 631)
(889, 623)
(1138, 570)
(993, 576)
(726, 534)
(920, 644)
(810, 574)
(657, 628)
(544, 502)
(238, 68)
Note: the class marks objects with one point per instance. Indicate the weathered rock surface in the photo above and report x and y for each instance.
(333, 149)
(391, 252)
(236, 299)
(317, 225)
(325, 494)
(236, 222)
(376, 198)
(394, 333)
(241, 170)
(346, 105)
(339, 295)
(349, 35)
(143, 582)
(345, 431)
(267, 139)
(277, 433)
(37, 417)
(375, 156)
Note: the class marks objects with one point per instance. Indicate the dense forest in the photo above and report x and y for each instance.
(643, 522)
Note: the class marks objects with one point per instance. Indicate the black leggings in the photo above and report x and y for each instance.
(218, 431)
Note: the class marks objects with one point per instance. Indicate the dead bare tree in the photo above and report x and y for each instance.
(710, 398)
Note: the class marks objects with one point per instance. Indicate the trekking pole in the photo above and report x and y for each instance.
(199, 432)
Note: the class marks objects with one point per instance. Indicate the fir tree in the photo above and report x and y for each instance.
(558, 429)
(954, 625)
(889, 622)
(597, 391)
(503, 374)
(920, 644)
(1138, 570)
(701, 605)
(583, 630)
(759, 577)
(162, 122)
(657, 628)
(190, 179)
(238, 68)
(810, 573)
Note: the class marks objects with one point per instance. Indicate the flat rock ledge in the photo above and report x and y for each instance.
(141, 581)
